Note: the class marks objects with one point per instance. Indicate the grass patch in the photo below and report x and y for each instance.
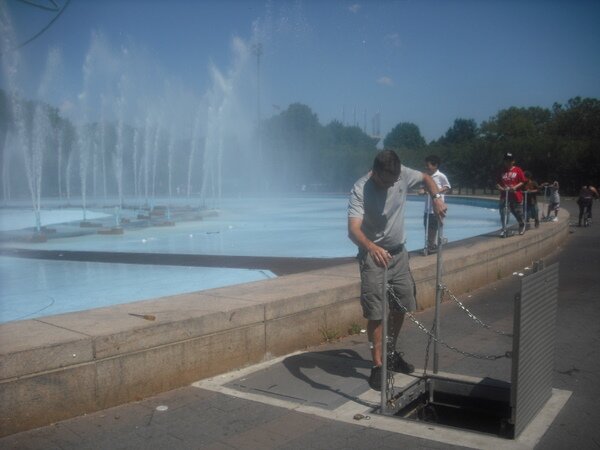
(330, 334)
(354, 329)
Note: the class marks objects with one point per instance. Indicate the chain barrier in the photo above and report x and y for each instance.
(470, 314)
(429, 339)
(390, 349)
(422, 327)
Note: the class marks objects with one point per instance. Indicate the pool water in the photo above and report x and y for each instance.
(287, 227)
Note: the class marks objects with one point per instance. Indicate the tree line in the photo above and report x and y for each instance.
(292, 151)
(561, 143)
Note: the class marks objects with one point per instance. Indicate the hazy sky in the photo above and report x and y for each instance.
(427, 62)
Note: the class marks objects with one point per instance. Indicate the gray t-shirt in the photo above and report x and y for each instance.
(381, 210)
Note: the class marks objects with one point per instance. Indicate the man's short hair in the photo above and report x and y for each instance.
(433, 159)
(387, 161)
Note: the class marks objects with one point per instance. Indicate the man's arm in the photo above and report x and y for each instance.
(520, 178)
(516, 186)
(356, 235)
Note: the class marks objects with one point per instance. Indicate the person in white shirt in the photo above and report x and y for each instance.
(432, 164)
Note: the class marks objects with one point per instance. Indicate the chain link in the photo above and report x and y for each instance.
(390, 348)
(428, 346)
(422, 327)
(470, 314)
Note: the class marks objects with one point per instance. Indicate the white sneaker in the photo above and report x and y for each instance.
(554, 219)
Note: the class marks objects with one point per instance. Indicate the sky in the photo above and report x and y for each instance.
(427, 62)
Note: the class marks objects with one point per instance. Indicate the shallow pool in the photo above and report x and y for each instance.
(288, 227)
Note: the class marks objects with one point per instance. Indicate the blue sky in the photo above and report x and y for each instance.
(427, 62)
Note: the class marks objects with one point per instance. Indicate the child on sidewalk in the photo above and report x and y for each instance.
(554, 201)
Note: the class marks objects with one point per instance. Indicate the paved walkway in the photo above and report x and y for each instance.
(308, 400)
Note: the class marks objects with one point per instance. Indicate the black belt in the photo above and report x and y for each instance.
(396, 250)
(362, 253)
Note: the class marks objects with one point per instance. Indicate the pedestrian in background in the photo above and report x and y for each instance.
(532, 189)
(587, 194)
(430, 222)
(553, 201)
(510, 182)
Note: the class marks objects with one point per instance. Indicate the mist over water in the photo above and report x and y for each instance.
(134, 131)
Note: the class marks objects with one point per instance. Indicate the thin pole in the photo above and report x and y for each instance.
(505, 219)
(258, 49)
(426, 247)
(438, 294)
(526, 208)
(384, 333)
(545, 202)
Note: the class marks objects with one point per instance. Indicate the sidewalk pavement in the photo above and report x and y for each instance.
(307, 400)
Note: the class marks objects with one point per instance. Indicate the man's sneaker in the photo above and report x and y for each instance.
(397, 364)
(554, 219)
(503, 234)
(522, 228)
(375, 378)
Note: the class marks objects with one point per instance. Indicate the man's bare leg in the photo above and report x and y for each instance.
(374, 333)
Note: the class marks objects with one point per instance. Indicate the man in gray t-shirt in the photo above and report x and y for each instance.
(376, 225)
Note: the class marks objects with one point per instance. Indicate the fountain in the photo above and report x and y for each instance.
(32, 143)
(144, 145)
(124, 141)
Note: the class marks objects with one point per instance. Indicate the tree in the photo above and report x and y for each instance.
(580, 118)
(292, 140)
(463, 130)
(575, 131)
(517, 122)
(404, 136)
(347, 154)
(305, 154)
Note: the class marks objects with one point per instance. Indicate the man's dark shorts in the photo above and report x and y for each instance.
(399, 278)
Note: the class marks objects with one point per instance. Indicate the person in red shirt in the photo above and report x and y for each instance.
(510, 183)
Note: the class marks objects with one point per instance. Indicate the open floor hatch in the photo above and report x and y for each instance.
(487, 405)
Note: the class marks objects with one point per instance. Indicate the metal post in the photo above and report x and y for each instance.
(544, 204)
(426, 247)
(258, 51)
(505, 219)
(526, 207)
(384, 337)
(438, 294)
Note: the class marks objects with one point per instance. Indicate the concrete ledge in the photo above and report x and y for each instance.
(61, 366)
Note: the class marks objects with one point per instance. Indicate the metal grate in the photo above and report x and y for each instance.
(533, 345)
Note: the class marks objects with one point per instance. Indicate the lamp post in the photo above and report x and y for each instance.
(258, 51)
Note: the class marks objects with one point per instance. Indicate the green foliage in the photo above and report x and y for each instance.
(299, 153)
(463, 131)
(354, 329)
(404, 136)
(329, 334)
(559, 144)
(303, 154)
